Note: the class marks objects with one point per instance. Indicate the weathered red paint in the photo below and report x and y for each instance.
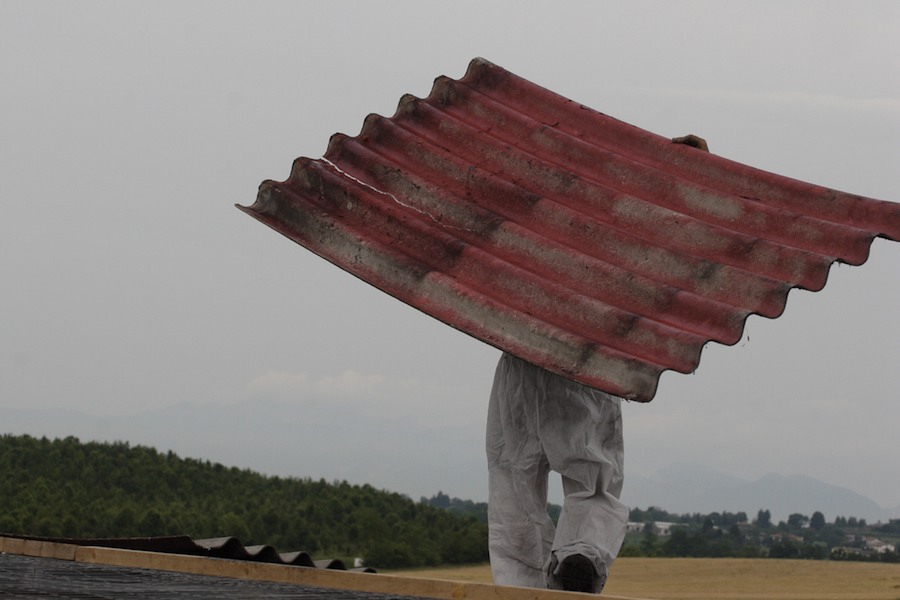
(580, 243)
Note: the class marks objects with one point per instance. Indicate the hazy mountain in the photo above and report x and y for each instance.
(689, 488)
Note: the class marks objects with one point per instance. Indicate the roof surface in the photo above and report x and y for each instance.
(30, 577)
(31, 567)
(577, 242)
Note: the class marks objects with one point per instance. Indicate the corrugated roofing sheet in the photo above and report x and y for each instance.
(577, 242)
(222, 547)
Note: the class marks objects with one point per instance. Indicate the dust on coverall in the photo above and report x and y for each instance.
(538, 421)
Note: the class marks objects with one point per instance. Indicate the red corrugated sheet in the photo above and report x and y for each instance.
(563, 236)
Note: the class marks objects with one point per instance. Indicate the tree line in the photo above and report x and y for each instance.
(735, 535)
(727, 534)
(67, 488)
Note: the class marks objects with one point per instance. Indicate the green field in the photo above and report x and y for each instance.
(727, 578)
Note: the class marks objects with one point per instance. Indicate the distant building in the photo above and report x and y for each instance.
(877, 546)
(785, 537)
(660, 528)
(663, 528)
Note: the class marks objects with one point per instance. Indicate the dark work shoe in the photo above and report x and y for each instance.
(577, 574)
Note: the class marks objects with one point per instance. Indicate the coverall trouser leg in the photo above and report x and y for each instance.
(539, 421)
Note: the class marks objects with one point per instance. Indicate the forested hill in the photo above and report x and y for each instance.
(73, 489)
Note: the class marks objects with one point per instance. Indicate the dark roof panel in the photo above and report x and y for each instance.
(221, 547)
(556, 233)
(28, 577)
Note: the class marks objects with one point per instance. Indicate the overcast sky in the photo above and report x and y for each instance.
(132, 287)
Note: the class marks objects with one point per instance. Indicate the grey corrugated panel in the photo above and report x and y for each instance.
(221, 547)
(580, 243)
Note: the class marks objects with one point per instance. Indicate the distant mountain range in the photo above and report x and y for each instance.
(690, 488)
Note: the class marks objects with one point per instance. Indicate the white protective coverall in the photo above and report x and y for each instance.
(538, 421)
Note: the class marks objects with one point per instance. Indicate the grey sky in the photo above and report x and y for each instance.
(131, 284)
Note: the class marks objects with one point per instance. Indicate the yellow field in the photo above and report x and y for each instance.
(726, 578)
